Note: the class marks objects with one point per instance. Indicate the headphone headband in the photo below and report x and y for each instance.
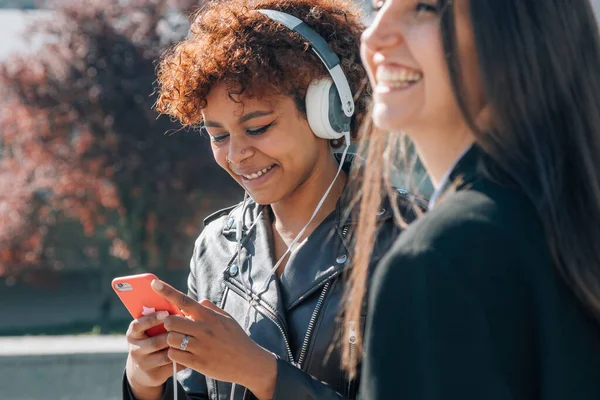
(322, 50)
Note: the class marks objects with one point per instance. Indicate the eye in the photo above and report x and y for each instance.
(425, 7)
(259, 131)
(214, 139)
(218, 139)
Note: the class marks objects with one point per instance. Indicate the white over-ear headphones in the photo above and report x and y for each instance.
(323, 110)
(329, 102)
(329, 110)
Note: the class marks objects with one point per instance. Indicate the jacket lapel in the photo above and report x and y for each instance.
(324, 255)
(321, 257)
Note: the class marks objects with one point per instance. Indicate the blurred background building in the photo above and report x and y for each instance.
(92, 186)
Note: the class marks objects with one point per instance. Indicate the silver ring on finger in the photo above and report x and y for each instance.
(184, 343)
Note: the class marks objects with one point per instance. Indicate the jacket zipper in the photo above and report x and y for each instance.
(281, 326)
(352, 341)
(269, 314)
(273, 317)
(351, 334)
(311, 324)
(315, 314)
(345, 231)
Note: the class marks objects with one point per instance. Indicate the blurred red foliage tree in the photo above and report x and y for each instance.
(80, 142)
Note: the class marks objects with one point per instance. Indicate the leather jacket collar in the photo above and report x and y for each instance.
(324, 255)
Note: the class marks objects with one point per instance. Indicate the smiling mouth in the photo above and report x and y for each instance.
(258, 174)
(397, 77)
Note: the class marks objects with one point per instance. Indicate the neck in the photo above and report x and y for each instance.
(293, 212)
(439, 154)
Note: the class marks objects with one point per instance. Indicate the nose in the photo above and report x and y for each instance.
(239, 150)
(382, 33)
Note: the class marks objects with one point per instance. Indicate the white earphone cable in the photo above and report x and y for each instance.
(319, 205)
(175, 386)
(238, 237)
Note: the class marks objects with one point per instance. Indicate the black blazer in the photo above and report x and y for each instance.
(469, 305)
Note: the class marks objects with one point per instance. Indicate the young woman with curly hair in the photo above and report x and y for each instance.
(266, 277)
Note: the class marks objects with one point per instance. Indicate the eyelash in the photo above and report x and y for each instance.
(255, 132)
(260, 130)
(424, 7)
(421, 7)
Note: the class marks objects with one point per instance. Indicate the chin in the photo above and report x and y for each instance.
(263, 199)
(388, 119)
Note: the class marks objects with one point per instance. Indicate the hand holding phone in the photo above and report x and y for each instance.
(148, 365)
(140, 300)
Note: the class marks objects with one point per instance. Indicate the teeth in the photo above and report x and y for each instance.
(258, 174)
(397, 77)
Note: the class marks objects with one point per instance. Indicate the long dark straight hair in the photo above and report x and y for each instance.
(539, 63)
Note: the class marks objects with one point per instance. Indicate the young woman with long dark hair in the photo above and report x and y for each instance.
(494, 293)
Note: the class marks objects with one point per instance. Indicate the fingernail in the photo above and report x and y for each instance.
(156, 284)
(161, 315)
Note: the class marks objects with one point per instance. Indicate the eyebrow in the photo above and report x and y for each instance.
(243, 118)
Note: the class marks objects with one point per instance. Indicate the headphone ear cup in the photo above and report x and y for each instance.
(324, 111)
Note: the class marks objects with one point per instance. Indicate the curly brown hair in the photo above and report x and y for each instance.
(231, 43)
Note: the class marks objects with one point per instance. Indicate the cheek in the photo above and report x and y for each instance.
(269, 147)
(296, 150)
(289, 140)
(428, 51)
(439, 95)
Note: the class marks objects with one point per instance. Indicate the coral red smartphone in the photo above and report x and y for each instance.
(138, 297)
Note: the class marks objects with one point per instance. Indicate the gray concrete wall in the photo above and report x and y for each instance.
(62, 377)
(62, 368)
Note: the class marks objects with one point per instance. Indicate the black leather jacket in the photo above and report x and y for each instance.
(295, 317)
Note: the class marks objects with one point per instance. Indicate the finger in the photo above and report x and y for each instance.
(156, 360)
(185, 326)
(138, 327)
(175, 340)
(212, 307)
(149, 345)
(162, 374)
(181, 300)
(185, 358)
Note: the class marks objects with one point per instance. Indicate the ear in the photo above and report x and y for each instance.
(484, 120)
(336, 143)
